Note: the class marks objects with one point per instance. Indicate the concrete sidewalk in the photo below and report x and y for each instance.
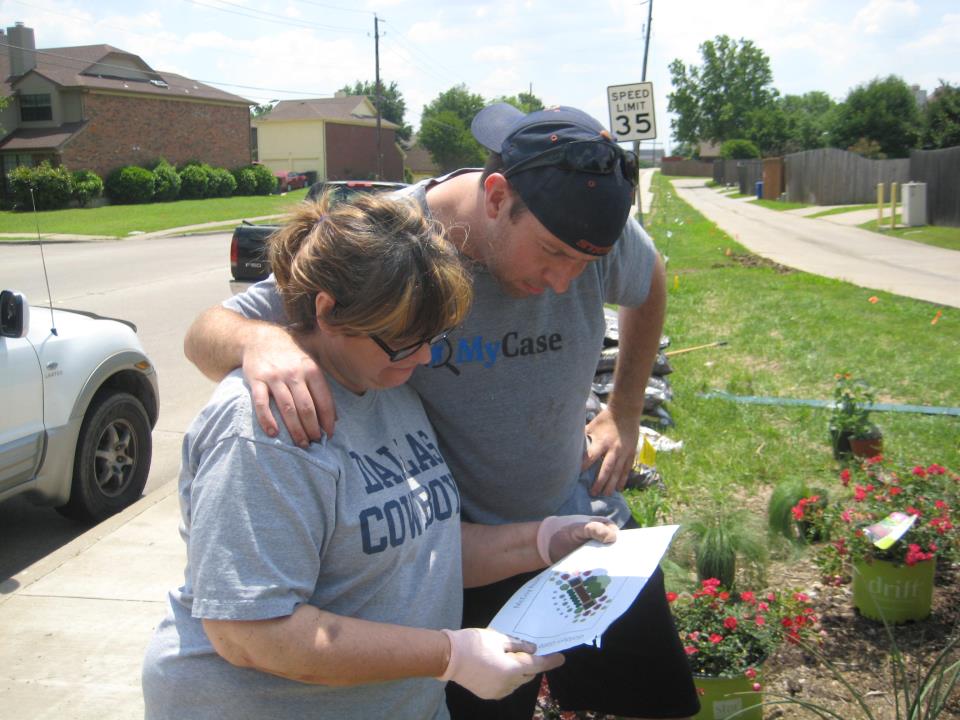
(76, 623)
(819, 246)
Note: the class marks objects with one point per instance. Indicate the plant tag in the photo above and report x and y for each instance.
(886, 532)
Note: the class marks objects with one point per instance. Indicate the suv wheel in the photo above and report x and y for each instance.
(112, 458)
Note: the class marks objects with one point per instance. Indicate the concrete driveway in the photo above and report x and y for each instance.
(864, 258)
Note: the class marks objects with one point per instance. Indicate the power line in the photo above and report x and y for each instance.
(254, 14)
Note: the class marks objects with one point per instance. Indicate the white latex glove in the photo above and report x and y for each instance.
(491, 665)
(560, 535)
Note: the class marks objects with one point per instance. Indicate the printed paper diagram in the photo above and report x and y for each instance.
(575, 600)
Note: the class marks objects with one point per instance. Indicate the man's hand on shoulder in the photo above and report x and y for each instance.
(275, 366)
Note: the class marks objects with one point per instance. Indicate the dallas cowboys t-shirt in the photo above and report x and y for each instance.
(364, 524)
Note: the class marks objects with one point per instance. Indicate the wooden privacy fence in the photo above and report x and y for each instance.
(940, 170)
(725, 171)
(681, 166)
(749, 172)
(829, 176)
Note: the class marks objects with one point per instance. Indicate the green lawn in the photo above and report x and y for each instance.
(121, 220)
(945, 237)
(788, 333)
(842, 210)
(779, 205)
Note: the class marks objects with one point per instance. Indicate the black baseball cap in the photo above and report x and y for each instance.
(586, 210)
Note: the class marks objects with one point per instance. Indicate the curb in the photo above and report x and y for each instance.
(28, 576)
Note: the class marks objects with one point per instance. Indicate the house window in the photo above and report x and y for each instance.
(35, 107)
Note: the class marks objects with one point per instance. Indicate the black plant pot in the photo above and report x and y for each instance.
(840, 442)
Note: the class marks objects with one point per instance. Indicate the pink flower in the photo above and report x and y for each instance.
(750, 673)
(730, 622)
(690, 650)
(845, 476)
(715, 638)
(919, 471)
(671, 596)
(748, 597)
(757, 687)
(760, 620)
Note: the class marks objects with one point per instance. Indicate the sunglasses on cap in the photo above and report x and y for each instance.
(588, 156)
(405, 352)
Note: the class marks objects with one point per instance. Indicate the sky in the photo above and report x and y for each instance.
(567, 52)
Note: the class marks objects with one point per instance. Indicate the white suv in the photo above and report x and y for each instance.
(79, 399)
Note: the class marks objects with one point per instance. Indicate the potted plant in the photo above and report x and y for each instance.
(728, 635)
(851, 431)
(722, 543)
(785, 518)
(887, 528)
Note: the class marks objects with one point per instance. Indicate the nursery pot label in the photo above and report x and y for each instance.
(720, 698)
(895, 593)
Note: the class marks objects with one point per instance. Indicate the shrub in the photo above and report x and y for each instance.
(246, 181)
(266, 182)
(222, 183)
(86, 186)
(194, 182)
(130, 184)
(51, 186)
(166, 185)
(739, 150)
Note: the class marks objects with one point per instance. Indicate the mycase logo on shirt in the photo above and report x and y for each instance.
(451, 354)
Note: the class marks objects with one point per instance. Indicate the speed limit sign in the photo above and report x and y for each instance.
(631, 111)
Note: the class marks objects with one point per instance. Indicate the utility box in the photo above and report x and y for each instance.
(914, 197)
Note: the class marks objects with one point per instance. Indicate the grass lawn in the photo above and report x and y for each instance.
(789, 333)
(945, 237)
(778, 205)
(121, 220)
(841, 210)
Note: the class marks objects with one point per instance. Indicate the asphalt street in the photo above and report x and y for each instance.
(159, 284)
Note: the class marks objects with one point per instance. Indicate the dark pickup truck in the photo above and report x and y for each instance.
(248, 262)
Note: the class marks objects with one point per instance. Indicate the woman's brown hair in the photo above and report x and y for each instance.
(388, 267)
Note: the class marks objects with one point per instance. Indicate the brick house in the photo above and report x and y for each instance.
(333, 137)
(96, 107)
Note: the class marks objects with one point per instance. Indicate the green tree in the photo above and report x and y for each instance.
(263, 108)
(941, 117)
(808, 119)
(719, 99)
(527, 102)
(392, 105)
(445, 129)
(739, 150)
(883, 111)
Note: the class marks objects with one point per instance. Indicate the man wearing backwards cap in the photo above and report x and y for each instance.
(545, 227)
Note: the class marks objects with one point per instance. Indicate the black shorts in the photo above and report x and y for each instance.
(640, 671)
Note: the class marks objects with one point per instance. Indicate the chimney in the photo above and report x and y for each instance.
(23, 59)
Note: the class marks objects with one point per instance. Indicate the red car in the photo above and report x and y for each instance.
(287, 181)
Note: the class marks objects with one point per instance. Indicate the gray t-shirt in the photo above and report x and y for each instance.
(506, 391)
(364, 524)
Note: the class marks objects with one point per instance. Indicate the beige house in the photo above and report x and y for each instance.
(333, 137)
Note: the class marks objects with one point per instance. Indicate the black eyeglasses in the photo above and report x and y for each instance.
(405, 352)
(589, 156)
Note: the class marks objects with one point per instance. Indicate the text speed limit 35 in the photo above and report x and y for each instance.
(631, 111)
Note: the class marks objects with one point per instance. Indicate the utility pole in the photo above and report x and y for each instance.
(379, 95)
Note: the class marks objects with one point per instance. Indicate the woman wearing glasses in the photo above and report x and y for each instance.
(324, 582)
